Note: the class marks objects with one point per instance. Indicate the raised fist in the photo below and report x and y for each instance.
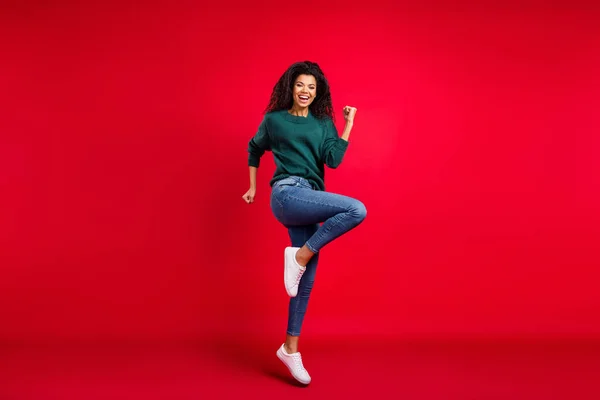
(349, 113)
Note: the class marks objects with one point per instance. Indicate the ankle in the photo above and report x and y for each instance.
(290, 350)
(302, 261)
(303, 256)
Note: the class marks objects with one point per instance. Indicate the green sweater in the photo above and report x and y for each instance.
(301, 146)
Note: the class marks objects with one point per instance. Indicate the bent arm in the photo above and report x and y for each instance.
(258, 145)
(334, 147)
(253, 171)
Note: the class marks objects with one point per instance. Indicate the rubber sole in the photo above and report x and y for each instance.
(280, 356)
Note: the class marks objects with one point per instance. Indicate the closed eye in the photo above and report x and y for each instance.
(311, 87)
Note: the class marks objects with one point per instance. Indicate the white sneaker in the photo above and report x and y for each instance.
(292, 272)
(294, 364)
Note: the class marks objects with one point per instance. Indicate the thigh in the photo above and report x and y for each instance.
(302, 206)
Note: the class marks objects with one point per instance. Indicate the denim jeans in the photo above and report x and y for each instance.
(301, 209)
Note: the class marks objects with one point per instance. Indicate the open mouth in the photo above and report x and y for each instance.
(303, 99)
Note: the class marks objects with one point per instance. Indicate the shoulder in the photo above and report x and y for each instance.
(273, 122)
(272, 117)
(324, 119)
(327, 123)
(275, 114)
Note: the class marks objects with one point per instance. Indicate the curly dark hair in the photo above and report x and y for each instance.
(282, 95)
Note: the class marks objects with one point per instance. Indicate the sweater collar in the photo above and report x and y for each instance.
(296, 119)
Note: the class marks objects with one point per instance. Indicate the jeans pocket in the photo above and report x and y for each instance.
(286, 182)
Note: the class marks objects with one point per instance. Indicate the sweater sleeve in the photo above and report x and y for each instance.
(333, 147)
(259, 144)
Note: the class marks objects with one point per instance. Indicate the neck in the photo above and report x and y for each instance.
(300, 112)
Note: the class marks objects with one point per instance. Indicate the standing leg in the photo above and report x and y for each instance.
(297, 307)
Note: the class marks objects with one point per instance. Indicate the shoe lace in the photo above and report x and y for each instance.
(298, 361)
(299, 276)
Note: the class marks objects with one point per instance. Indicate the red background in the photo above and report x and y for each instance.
(123, 135)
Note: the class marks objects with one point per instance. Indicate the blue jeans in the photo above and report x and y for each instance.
(301, 209)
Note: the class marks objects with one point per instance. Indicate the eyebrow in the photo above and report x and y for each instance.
(314, 84)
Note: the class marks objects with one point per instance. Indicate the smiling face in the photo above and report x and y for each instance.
(305, 91)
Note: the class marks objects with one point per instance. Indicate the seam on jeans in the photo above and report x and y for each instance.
(277, 200)
(320, 235)
(284, 194)
(297, 304)
(314, 202)
(298, 298)
(277, 212)
(310, 246)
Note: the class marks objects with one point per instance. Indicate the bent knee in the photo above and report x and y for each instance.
(359, 211)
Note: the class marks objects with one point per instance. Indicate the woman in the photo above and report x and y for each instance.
(298, 128)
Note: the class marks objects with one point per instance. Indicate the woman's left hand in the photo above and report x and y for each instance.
(349, 113)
